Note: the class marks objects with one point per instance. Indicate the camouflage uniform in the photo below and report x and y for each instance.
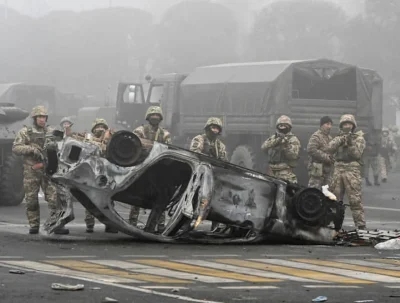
(283, 151)
(153, 133)
(348, 150)
(387, 149)
(206, 145)
(29, 143)
(396, 158)
(370, 158)
(319, 161)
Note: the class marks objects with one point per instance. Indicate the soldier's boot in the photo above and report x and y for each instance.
(34, 230)
(384, 180)
(109, 229)
(376, 181)
(89, 228)
(134, 215)
(367, 182)
(61, 231)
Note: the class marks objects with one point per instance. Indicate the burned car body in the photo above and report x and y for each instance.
(191, 188)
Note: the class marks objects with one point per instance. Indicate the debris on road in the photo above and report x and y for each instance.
(175, 290)
(365, 237)
(320, 299)
(95, 288)
(108, 299)
(389, 245)
(16, 271)
(363, 301)
(59, 286)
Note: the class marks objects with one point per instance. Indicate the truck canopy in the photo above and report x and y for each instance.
(298, 88)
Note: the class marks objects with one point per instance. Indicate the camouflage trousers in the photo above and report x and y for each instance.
(284, 174)
(383, 167)
(134, 216)
(90, 219)
(371, 162)
(347, 179)
(33, 181)
(318, 182)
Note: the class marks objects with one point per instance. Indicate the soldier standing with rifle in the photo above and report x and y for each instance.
(387, 149)
(29, 143)
(370, 158)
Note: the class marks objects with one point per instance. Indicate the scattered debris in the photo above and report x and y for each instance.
(16, 271)
(394, 296)
(320, 299)
(363, 301)
(95, 288)
(59, 286)
(365, 237)
(174, 290)
(108, 299)
(389, 245)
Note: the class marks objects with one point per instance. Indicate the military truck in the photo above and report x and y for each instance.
(12, 120)
(249, 97)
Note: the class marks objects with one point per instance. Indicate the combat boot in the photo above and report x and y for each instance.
(376, 181)
(61, 231)
(384, 180)
(89, 229)
(34, 230)
(367, 182)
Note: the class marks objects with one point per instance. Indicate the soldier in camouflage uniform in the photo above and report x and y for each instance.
(208, 143)
(30, 143)
(99, 128)
(320, 162)
(387, 149)
(394, 159)
(153, 132)
(283, 149)
(348, 148)
(370, 157)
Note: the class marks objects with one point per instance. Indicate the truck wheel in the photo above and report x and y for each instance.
(244, 156)
(12, 181)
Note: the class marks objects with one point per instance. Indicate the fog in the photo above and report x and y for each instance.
(87, 47)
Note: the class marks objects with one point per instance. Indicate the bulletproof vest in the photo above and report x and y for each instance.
(209, 148)
(37, 137)
(343, 154)
(277, 156)
(157, 136)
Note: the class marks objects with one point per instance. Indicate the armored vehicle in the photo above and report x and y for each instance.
(249, 97)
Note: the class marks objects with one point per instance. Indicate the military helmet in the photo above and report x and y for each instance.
(65, 119)
(385, 129)
(98, 121)
(152, 110)
(348, 118)
(214, 121)
(284, 120)
(39, 110)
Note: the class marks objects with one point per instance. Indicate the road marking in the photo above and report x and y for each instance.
(204, 271)
(392, 286)
(243, 270)
(11, 257)
(100, 269)
(351, 267)
(331, 286)
(387, 261)
(353, 255)
(41, 267)
(285, 269)
(146, 269)
(69, 257)
(248, 287)
(382, 208)
(281, 255)
(134, 288)
(144, 256)
(341, 272)
(370, 264)
(163, 287)
(216, 256)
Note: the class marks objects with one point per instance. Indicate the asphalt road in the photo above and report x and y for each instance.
(119, 267)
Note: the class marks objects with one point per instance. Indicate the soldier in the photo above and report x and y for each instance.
(395, 156)
(283, 149)
(348, 148)
(99, 128)
(208, 143)
(153, 132)
(370, 158)
(319, 161)
(29, 143)
(388, 148)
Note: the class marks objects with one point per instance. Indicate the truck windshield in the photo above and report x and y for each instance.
(156, 94)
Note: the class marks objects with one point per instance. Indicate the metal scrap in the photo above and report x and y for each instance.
(59, 286)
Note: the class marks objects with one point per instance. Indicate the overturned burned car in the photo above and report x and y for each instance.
(190, 188)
